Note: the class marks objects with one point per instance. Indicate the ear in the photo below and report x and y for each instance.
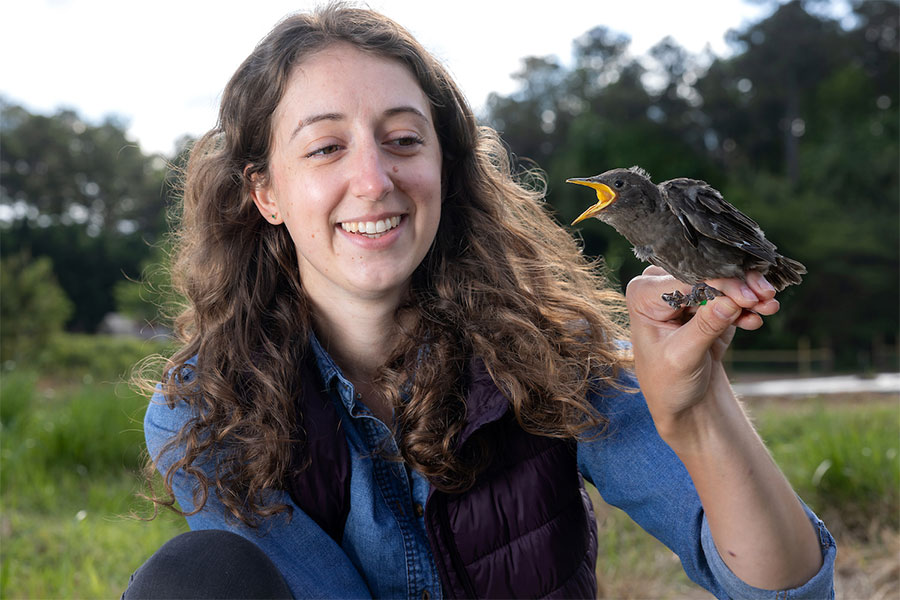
(264, 198)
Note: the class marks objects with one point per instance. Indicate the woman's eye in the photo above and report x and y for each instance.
(406, 141)
(324, 150)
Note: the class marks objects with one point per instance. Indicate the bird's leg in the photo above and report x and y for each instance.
(704, 292)
(700, 295)
(675, 299)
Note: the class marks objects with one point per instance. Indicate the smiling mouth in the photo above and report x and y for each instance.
(371, 229)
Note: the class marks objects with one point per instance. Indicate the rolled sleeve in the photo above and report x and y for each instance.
(635, 470)
(820, 586)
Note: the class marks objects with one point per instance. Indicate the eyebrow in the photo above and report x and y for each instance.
(405, 109)
(399, 110)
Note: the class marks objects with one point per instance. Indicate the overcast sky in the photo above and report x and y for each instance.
(161, 66)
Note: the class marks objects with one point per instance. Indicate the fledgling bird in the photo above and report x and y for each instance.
(688, 229)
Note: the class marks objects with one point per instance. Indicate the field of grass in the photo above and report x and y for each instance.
(70, 455)
(71, 452)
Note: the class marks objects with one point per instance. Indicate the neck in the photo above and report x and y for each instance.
(357, 333)
(359, 336)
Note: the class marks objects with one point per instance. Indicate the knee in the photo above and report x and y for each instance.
(207, 564)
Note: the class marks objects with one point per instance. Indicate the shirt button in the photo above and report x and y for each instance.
(425, 595)
(419, 512)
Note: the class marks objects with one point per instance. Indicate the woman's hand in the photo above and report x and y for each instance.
(678, 352)
(757, 522)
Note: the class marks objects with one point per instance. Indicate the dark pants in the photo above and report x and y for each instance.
(207, 564)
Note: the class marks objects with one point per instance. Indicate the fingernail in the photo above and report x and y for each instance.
(747, 293)
(726, 310)
(764, 284)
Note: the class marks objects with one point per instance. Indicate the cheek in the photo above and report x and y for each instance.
(307, 210)
(424, 182)
(300, 194)
(306, 219)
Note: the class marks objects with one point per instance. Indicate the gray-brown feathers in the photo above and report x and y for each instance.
(686, 227)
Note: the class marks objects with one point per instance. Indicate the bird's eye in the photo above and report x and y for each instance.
(619, 183)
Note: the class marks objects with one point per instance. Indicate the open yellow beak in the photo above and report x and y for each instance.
(605, 197)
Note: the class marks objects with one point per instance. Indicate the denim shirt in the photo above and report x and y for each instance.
(385, 552)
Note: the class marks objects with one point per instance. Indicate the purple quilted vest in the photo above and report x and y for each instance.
(525, 529)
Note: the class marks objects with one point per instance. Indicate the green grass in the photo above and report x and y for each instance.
(841, 458)
(85, 547)
(71, 453)
(94, 358)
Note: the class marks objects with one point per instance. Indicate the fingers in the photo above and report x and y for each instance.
(760, 285)
(749, 321)
(755, 294)
(756, 290)
(654, 270)
(755, 297)
(713, 325)
(644, 295)
(739, 291)
(769, 307)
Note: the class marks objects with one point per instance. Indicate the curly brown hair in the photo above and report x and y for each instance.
(502, 282)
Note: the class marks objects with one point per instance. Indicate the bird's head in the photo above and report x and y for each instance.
(617, 191)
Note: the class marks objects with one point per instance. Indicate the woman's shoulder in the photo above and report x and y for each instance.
(617, 384)
(618, 398)
(166, 413)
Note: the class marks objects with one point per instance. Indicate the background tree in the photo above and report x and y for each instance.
(798, 127)
(82, 195)
(151, 299)
(33, 307)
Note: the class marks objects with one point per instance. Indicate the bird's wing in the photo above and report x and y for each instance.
(703, 212)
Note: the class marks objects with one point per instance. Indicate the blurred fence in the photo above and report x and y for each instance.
(805, 360)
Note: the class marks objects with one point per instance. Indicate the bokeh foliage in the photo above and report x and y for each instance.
(798, 128)
(33, 307)
(83, 196)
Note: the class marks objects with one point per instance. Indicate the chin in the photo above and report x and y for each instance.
(380, 287)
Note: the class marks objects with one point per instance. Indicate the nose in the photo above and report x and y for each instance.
(370, 177)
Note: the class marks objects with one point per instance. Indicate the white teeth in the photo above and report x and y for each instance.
(371, 228)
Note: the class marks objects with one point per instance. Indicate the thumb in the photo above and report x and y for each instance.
(709, 323)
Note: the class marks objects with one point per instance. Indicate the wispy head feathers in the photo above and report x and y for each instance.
(639, 171)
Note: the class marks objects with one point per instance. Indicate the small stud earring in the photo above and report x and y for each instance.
(273, 216)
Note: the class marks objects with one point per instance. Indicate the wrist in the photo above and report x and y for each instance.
(705, 426)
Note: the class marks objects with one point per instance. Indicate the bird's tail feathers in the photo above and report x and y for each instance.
(785, 272)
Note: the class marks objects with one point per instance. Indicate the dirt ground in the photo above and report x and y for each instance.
(868, 571)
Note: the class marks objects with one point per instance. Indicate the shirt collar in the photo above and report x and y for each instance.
(485, 403)
(331, 374)
(324, 363)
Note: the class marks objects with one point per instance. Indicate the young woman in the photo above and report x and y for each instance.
(397, 370)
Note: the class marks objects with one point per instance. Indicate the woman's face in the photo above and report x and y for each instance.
(354, 174)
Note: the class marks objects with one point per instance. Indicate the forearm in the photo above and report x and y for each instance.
(756, 520)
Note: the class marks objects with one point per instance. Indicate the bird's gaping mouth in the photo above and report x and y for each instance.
(605, 197)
